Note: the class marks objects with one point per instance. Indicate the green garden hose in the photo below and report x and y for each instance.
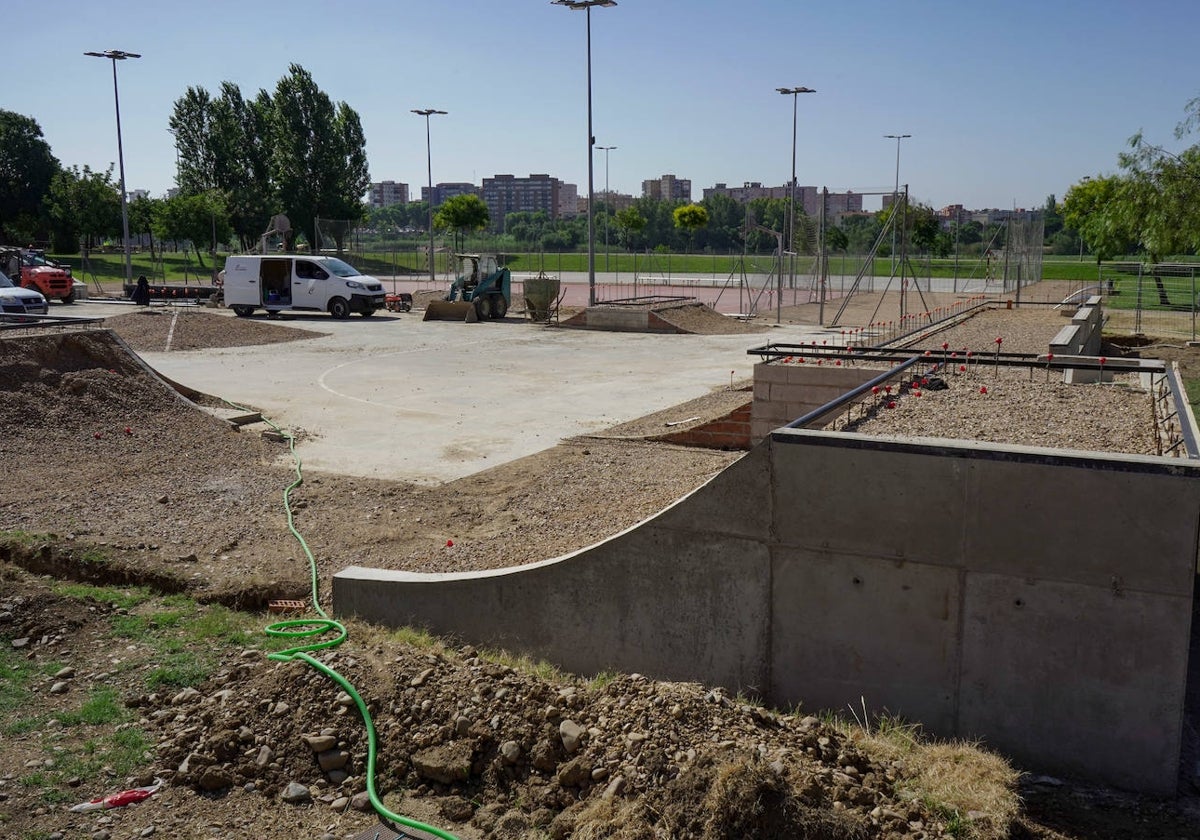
(303, 628)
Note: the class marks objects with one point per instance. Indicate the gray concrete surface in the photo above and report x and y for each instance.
(400, 398)
(1039, 600)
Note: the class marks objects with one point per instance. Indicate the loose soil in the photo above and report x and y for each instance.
(115, 479)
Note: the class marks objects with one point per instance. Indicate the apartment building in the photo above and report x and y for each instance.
(387, 193)
(807, 197)
(667, 188)
(504, 194)
(447, 190)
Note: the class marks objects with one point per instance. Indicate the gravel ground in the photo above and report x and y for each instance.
(987, 402)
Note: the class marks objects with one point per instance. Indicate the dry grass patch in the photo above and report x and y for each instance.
(974, 791)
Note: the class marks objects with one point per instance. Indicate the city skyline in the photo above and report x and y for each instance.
(1004, 106)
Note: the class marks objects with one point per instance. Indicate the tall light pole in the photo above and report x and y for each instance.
(115, 56)
(586, 6)
(608, 200)
(896, 191)
(791, 231)
(427, 113)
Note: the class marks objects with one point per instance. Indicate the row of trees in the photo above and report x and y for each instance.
(718, 224)
(240, 162)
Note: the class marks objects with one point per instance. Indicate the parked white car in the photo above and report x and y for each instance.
(15, 300)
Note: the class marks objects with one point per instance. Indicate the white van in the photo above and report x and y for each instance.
(315, 284)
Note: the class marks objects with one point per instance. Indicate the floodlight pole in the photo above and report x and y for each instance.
(791, 231)
(115, 56)
(426, 113)
(586, 6)
(896, 192)
(608, 200)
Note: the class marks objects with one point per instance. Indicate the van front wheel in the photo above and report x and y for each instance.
(339, 308)
(243, 311)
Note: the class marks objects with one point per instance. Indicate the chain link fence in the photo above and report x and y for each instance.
(1158, 300)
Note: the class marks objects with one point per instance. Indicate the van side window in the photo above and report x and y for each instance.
(309, 271)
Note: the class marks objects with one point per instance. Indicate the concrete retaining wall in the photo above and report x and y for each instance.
(784, 392)
(1037, 599)
(621, 319)
(729, 432)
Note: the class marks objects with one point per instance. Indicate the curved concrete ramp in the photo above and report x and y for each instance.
(1038, 599)
(684, 595)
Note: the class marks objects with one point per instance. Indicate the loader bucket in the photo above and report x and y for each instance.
(446, 310)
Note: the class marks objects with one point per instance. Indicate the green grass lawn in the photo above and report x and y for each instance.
(176, 267)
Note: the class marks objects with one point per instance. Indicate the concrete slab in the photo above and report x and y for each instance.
(395, 397)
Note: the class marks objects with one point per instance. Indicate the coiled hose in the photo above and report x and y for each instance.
(302, 628)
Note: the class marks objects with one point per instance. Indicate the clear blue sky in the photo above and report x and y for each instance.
(1006, 102)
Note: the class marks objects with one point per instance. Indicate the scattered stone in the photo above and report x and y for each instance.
(65, 673)
(188, 695)
(447, 763)
(615, 787)
(332, 760)
(419, 679)
(320, 743)
(339, 804)
(59, 688)
(214, 778)
(510, 751)
(295, 793)
(17, 644)
(572, 735)
(361, 802)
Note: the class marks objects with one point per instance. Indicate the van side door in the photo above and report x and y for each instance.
(308, 285)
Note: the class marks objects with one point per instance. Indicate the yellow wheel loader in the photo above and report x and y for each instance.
(482, 291)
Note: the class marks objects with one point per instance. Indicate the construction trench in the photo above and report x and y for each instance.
(987, 599)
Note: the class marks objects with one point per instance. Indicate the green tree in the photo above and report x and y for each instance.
(630, 222)
(83, 203)
(726, 217)
(770, 213)
(1158, 196)
(242, 166)
(292, 151)
(142, 212)
(199, 219)
(1093, 207)
(1051, 217)
(196, 143)
(26, 169)
(690, 217)
(836, 239)
(923, 228)
(461, 213)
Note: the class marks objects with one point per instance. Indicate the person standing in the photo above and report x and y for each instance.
(141, 292)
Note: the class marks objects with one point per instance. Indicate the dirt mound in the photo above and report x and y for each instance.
(160, 330)
(487, 746)
(702, 319)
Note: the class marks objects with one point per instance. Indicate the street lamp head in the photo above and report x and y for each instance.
(896, 136)
(115, 55)
(425, 112)
(794, 90)
(583, 4)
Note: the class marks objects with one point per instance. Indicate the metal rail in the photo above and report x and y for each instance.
(852, 396)
(43, 322)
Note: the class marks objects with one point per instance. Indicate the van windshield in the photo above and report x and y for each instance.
(340, 268)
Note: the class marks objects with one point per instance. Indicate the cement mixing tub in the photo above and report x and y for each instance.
(541, 297)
